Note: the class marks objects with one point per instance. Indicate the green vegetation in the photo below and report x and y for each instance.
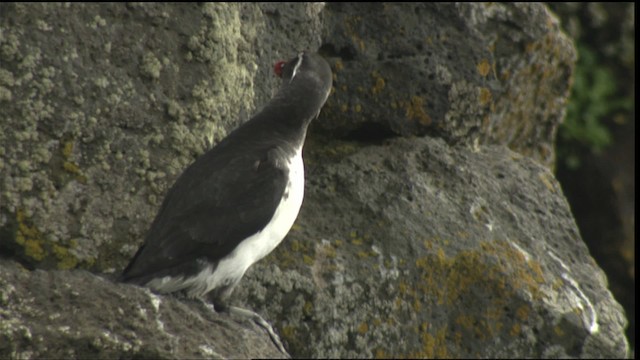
(595, 99)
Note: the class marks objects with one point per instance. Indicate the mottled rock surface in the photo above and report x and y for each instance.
(414, 248)
(495, 73)
(437, 244)
(77, 315)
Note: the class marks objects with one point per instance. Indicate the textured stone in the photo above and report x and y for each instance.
(77, 315)
(498, 73)
(414, 248)
(404, 247)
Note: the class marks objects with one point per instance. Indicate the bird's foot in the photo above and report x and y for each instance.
(253, 316)
(250, 315)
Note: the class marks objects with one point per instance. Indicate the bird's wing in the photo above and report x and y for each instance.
(219, 201)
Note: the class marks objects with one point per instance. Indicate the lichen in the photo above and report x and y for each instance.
(151, 66)
(29, 237)
(414, 110)
(379, 83)
(66, 260)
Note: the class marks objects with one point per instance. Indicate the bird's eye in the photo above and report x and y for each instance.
(278, 67)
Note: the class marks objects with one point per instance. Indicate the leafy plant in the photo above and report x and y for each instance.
(593, 100)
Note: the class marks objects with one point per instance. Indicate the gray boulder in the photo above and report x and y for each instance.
(421, 234)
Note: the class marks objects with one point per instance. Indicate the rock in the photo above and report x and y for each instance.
(604, 204)
(497, 73)
(418, 249)
(76, 314)
(424, 246)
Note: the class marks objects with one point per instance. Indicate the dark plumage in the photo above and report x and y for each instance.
(209, 229)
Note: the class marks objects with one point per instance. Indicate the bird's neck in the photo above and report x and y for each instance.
(284, 120)
(287, 116)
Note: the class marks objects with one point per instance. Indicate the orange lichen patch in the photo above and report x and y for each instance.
(523, 313)
(483, 67)
(363, 328)
(433, 345)
(352, 24)
(515, 330)
(380, 354)
(379, 83)
(484, 97)
(414, 110)
(496, 266)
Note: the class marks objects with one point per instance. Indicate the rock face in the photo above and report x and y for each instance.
(417, 249)
(421, 234)
(78, 315)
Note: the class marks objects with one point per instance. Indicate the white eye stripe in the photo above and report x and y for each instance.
(295, 68)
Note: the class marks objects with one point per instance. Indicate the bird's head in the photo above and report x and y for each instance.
(306, 70)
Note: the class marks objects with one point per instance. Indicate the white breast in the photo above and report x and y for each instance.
(261, 244)
(232, 267)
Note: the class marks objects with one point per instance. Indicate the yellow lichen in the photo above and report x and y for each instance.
(67, 149)
(71, 167)
(66, 259)
(307, 259)
(29, 237)
(558, 331)
(363, 328)
(379, 83)
(288, 332)
(338, 65)
(523, 313)
(483, 67)
(485, 96)
(380, 354)
(414, 110)
(307, 309)
(433, 346)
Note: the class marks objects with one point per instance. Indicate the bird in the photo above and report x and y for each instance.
(236, 202)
